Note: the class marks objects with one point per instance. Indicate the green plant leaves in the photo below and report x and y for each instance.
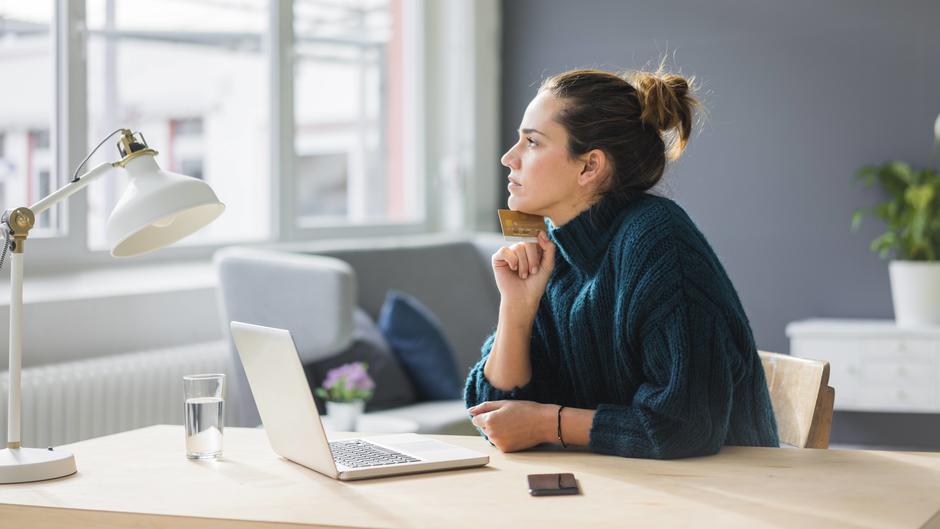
(883, 243)
(857, 216)
(911, 214)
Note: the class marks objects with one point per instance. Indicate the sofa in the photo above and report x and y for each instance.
(312, 289)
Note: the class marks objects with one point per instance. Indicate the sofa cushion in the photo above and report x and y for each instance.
(420, 345)
(392, 386)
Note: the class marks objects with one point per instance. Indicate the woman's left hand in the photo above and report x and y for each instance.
(514, 425)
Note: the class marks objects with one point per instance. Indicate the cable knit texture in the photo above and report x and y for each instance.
(640, 322)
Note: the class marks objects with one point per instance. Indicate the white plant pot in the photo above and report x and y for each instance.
(915, 291)
(344, 415)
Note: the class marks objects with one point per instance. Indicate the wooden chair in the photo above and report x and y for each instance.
(802, 399)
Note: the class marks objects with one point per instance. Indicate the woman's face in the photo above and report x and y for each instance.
(543, 180)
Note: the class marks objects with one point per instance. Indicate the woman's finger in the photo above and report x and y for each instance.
(548, 250)
(480, 420)
(484, 407)
(533, 257)
(520, 252)
(508, 256)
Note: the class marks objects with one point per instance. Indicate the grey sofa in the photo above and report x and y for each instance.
(312, 289)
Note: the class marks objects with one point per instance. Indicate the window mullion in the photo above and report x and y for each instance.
(484, 155)
(71, 121)
(282, 119)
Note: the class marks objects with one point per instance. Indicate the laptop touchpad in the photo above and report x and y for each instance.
(425, 448)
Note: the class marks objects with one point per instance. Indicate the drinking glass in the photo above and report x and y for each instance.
(204, 411)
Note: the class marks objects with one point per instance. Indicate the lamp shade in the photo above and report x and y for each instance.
(158, 208)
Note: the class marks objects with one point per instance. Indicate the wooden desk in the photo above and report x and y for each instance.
(141, 478)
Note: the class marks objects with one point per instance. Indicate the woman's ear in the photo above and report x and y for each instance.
(594, 170)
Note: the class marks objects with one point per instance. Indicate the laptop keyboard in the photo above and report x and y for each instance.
(358, 453)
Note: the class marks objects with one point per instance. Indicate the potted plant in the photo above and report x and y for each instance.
(912, 235)
(346, 389)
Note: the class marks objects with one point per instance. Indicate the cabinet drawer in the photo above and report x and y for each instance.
(897, 373)
(915, 399)
(828, 349)
(900, 347)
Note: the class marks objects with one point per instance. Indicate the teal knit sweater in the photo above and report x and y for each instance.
(640, 322)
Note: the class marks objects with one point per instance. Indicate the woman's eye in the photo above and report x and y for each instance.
(531, 142)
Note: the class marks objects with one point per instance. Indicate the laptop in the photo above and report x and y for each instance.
(296, 433)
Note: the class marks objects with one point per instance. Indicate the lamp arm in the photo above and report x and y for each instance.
(70, 188)
(16, 225)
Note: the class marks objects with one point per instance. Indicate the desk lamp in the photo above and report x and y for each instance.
(157, 209)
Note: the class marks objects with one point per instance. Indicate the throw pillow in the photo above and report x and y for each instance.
(419, 343)
(392, 386)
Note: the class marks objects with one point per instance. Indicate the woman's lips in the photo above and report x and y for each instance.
(513, 184)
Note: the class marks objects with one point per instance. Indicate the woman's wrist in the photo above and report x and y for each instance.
(549, 423)
(516, 315)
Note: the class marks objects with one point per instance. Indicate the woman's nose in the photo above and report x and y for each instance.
(508, 159)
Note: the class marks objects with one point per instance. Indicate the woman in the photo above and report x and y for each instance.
(619, 330)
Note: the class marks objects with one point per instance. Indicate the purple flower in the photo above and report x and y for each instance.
(347, 382)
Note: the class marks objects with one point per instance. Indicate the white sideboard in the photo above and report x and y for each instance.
(874, 364)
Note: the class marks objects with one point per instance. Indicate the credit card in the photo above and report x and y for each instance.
(520, 227)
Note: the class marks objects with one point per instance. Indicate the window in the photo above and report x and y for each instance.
(348, 113)
(187, 147)
(323, 193)
(27, 162)
(197, 79)
(192, 76)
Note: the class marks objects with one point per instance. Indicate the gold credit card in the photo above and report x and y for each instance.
(520, 227)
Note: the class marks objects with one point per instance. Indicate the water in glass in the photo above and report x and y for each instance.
(204, 418)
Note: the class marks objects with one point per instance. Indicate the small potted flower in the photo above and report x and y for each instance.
(346, 389)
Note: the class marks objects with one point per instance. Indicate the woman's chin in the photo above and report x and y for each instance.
(518, 204)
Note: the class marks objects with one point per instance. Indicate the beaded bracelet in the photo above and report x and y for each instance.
(563, 445)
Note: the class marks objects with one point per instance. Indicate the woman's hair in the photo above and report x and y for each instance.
(639, 119)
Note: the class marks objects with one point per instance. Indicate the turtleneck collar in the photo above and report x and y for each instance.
(582, 239)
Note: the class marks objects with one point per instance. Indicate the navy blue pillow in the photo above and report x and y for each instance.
(418, 342)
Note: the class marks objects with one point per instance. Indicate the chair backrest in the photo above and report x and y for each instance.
(802, 399)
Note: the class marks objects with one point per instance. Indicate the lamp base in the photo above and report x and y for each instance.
(19, 465)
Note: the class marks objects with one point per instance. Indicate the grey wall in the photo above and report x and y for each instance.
(801, 93)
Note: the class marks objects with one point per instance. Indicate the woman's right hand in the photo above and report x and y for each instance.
(522, 271)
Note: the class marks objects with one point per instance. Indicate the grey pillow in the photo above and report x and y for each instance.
(392, 386)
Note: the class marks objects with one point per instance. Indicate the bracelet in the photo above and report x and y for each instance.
(563, 445)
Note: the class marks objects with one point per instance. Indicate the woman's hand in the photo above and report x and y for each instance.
(514, 425)
(522, 271)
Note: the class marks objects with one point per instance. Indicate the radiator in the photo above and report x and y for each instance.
(72, 401)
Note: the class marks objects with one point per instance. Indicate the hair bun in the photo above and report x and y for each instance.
(659, 98)
(666, 103)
